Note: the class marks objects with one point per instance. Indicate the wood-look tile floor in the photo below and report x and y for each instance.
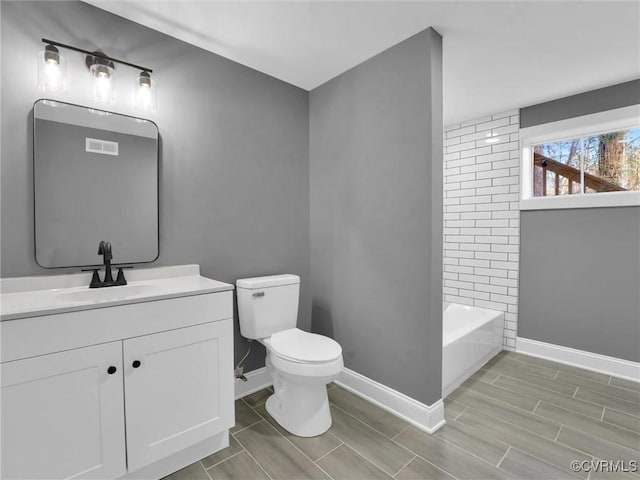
(519, 417)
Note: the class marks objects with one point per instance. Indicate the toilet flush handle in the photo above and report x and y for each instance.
(258, 294)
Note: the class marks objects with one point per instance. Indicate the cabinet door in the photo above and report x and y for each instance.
(62, 415)
(178, 389)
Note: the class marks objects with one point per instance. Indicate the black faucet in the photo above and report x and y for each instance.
(104, 249)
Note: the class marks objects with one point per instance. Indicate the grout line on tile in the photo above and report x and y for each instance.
(253, 409)
(531, 454)
(296, 447)
(444, 440)
(390, 439)
(620, 427)
(253, 458)
(400, 432)
(205, 470)
(546, 400)
(537, 405)
(498, 401)
(518, 426)
(437, 467)
(571, 447)
(585, 453)
(535, 435)
(547, 462)
(374, 429)
(248, 426)
(521, 380)
(405, 465)
(330, 451)
(362, 421)
(364, 457)
(505, 454)
(371, 426)
(228, 458)
(466, 407)
(555, 439)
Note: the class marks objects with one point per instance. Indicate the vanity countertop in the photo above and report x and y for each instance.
(23, 297)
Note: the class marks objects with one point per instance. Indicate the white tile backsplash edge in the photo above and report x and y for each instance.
(482, 216)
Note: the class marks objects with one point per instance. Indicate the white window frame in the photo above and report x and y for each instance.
(608, 121)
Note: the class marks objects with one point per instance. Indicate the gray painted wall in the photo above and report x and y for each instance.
(607, 98)
(580, 279)
(234, 149)
(376, 215)
(580, 268)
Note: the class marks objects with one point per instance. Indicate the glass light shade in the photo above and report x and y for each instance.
(146, 93)
(103, 84)
(52, 71)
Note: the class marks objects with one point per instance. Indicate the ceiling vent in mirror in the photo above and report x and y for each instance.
(105, 147)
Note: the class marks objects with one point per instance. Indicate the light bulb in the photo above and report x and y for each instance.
(146, 93)
(492, 138)
(52, 69)
(103, 83)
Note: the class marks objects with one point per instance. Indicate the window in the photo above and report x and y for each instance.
(589, 161)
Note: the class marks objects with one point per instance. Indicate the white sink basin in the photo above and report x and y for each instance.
(107, 294)
(23, 297)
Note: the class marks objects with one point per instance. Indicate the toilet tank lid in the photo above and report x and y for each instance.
(267, 282)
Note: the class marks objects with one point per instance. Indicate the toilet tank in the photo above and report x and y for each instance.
(267, 305)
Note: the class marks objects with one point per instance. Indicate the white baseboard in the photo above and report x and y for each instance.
(428, 418)
(256, 380)
(580, 358)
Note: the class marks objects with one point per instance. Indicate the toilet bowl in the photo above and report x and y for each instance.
(300, 363)
(300, 403)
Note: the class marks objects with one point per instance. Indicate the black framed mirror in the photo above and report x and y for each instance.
(95, 177)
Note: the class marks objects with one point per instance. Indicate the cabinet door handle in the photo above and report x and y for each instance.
(136, 364)
(111, 370)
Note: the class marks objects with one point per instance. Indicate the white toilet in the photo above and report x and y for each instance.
(300, 363)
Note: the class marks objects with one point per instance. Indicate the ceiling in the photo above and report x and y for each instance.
(497, 56)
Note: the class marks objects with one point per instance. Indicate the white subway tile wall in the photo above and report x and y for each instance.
(481, 216)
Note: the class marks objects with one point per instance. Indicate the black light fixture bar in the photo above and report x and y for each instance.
(96, 54)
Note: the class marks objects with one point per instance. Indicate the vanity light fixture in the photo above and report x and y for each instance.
(146, 93)
(102, 68)
(52, 70)
(103, 80)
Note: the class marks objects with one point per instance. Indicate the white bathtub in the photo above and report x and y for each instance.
(471, 336)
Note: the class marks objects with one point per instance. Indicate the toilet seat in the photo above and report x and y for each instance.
(299, 353)
(308, 370)
(295, 345)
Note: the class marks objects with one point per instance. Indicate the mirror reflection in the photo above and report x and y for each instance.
(95, 179)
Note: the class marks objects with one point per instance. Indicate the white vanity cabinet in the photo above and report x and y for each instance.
(62, 415)
(134, 390)
(173, 395)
